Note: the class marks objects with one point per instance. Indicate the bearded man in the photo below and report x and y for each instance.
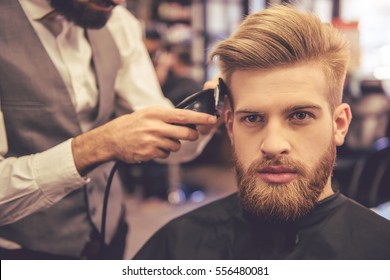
(284, 72)
(75, 79)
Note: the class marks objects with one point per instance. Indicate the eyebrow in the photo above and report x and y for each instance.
(248, 111)
(294, 108)
(286, 110)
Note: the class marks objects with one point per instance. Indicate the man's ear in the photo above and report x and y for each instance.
(342, 118)
(229, 116)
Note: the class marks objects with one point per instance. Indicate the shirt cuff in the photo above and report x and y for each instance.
(55, 172)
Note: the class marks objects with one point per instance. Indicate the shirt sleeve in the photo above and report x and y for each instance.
(136, 85)
(33, 182)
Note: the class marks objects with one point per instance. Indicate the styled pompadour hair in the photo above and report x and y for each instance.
(283, 36)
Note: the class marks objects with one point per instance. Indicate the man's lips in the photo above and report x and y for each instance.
(277, 174)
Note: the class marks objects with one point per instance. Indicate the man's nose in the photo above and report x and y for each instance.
(275, 141)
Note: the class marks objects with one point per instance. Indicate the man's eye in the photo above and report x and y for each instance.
(300, 116)
(253, 119)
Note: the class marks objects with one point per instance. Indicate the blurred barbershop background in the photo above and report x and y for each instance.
(179, 36)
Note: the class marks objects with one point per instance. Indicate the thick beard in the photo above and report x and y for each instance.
(82, 15)
(284, 202)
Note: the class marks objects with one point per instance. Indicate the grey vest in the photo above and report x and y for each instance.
(39, 114)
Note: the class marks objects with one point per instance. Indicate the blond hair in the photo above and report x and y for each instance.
(283, 36)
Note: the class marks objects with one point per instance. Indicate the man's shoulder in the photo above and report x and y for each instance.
(359, 216)
(122, 21)
(353, 206)
(122, 15)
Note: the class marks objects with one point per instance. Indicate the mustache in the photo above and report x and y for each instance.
(282, 161)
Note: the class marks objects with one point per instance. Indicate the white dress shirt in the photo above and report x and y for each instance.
(38, 181)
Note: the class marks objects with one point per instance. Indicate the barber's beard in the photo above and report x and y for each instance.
(82, 14)
(284, 202)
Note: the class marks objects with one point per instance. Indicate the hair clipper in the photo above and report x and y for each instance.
(210, 101)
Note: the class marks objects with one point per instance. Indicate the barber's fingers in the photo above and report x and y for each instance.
(182, 116)
(158, 147)
(169, 145)
(178, 132)
(174, 122)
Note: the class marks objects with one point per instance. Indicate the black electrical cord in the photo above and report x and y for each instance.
(105, 206)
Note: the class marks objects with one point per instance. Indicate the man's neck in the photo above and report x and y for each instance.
(327, 191)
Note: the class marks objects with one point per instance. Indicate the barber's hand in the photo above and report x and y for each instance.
(141, 136)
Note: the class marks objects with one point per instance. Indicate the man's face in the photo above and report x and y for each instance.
(85, 13)
(284, 137)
